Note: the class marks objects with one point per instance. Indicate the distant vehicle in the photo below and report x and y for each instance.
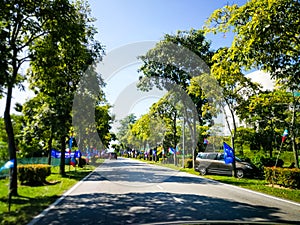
(213, 163)
(113, 155)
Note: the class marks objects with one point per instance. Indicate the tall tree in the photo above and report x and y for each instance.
(266, 38)
(124, 129)
(268, 113)
(168, 112)
(173, 62)
(22, 22)
(60, 61)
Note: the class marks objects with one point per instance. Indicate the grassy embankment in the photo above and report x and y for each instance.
(33, 199)
(252, 184)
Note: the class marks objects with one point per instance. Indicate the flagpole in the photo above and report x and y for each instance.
(278, 154)
(284, 135)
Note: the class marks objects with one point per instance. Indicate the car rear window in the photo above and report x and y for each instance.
(211, 156)
(220, 157)
(202, 155)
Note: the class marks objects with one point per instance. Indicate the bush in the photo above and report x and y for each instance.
(188, 163)
(140, 156)
(285, 177)
(33, 173)
(260, 162)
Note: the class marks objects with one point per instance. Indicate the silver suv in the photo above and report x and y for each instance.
(213, 162)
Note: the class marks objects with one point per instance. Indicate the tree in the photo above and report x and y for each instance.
(59, 62)
(165, 109)
(267, 112)
(103, 123)
(21, 24)
(40, 127)
(171, 65)
(244, 136)
(141, 132)
(266, 38)
(124, 128)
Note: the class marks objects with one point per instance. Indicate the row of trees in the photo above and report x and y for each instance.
(266, 38)
(55, 40)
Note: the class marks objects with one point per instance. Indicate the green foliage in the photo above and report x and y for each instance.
(188, 163)
(261, 161)
(263, 36)
(33, 173)
(284, 177)
(124, 129)
(103, 123)
(175, 61)
(266, 38)
(39, 197)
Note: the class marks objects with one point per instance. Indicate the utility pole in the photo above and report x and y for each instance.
(183, 146)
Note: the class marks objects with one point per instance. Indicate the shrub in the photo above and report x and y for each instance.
(188, 163)
(260, 162)
(33, 173)
(140, 157)
(285, 177)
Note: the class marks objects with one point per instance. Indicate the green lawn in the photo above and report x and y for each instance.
(252, 184)
(32, 200)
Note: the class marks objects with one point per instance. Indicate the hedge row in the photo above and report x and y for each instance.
(284, 177)
(33, 173)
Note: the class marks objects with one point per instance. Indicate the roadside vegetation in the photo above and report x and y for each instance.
(57, 41)
(34, 199)
(259, 185)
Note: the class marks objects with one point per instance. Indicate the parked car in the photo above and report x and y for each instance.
(213, 162)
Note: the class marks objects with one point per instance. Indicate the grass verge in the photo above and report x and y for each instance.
(33, 199)
(252, 184)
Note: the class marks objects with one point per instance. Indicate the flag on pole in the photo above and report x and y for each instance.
(73, 161)
(205, 141)
(70, 142)
(228, 153)
(8, 164)
(284, 135)
(171, 150)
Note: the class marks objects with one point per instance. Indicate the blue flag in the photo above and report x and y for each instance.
(171, 150)
(70, 142)
(228, 153)
(8, 164)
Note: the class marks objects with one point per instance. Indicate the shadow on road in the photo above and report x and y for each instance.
(131, 171)
(140, 208)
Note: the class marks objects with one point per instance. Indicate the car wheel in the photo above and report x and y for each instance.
(240, 173)
(202, 171)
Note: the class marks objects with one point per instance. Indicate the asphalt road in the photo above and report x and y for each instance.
(126, 191)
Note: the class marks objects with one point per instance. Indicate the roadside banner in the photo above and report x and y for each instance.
(284, 135)
(9, 164)
(228, 153)
(56, 154)
(171, 150)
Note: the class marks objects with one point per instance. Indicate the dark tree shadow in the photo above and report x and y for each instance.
(142, 208)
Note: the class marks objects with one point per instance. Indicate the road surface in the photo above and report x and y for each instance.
(127, 191)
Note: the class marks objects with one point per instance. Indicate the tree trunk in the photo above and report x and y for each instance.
(233, 162)
(13, 184)
(62, 156)
(293, 137)
(175, 138)
(50, 148)
(233, 134)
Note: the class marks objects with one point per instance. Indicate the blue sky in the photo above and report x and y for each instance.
(123, 22)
